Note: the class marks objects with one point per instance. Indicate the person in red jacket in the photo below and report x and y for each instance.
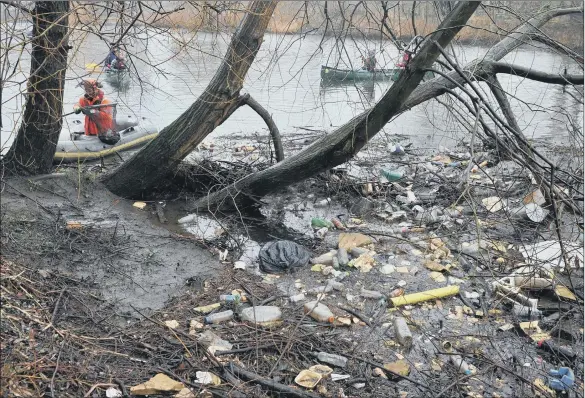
(98, 121)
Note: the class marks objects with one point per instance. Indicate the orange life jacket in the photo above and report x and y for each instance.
(100, 121)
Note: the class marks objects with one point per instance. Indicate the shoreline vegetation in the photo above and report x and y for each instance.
(364, 22)
(292, 18)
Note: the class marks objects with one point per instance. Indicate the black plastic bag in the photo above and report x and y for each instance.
(283, 256)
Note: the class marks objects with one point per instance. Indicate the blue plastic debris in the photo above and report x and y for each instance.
(563, 379)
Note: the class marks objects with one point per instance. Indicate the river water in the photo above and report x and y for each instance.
(285, 78)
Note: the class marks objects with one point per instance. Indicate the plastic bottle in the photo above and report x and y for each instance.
(262, 315)
(297, 297)
(523, 311)
(227, 298)
(319, 312)
(391, 175)
(332, 359)
(320, 223)
(402, 331)
(219, 317)
(371, 294)
(460, 364)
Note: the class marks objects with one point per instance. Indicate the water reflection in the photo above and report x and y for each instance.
(366, 89)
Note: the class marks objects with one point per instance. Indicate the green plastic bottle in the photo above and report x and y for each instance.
(320, 223)
(391, 175)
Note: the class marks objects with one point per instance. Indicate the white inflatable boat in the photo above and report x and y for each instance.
(133, 131)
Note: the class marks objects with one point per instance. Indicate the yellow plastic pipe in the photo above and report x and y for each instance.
(419, 297)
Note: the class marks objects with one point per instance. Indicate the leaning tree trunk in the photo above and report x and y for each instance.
(346, 141)
(33, 149)
(220, 99)
(341, 145)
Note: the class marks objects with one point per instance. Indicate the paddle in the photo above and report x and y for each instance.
(93, 107)
(93, 68)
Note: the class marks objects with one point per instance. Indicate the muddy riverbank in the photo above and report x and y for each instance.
(109, 291)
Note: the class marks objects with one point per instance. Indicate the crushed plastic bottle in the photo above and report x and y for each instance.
(320, 223)
(262, 315)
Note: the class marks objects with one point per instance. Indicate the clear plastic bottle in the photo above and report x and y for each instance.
(332, 359)
(319, 312)
(219, 317)
(262, 315)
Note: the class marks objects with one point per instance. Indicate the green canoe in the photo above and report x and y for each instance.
(330, 74)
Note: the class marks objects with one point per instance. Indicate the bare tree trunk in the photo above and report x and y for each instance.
(33, 149)
(341, 145)
(220, 99)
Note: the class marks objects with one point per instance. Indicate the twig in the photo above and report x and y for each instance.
(281, 389)
(52, 385)
(57, 306)
(240, 350)
(122, 387)
(99, 385)
(357, 314)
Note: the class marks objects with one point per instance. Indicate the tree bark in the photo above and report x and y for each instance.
(220, 99)
(33, 149)
(341, 145)
(274, 133)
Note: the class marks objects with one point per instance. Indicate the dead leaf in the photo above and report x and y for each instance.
(400, 367)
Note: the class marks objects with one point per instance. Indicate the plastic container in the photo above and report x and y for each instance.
(262, 315)
(323, 203)
(319, 312)
(297, 297)
(391, 175)
(320, 223)
(460, 364)
(332, 359)
(402, 331)
(219, 317)
(371, 294)
(228, 298)
(523, 311)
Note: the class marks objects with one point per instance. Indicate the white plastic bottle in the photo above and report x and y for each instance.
(319, 312)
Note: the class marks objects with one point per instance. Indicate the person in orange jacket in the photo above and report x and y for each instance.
(98, 121)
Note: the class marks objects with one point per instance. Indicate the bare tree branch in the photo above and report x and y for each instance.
(263, 113)
(528, 73)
